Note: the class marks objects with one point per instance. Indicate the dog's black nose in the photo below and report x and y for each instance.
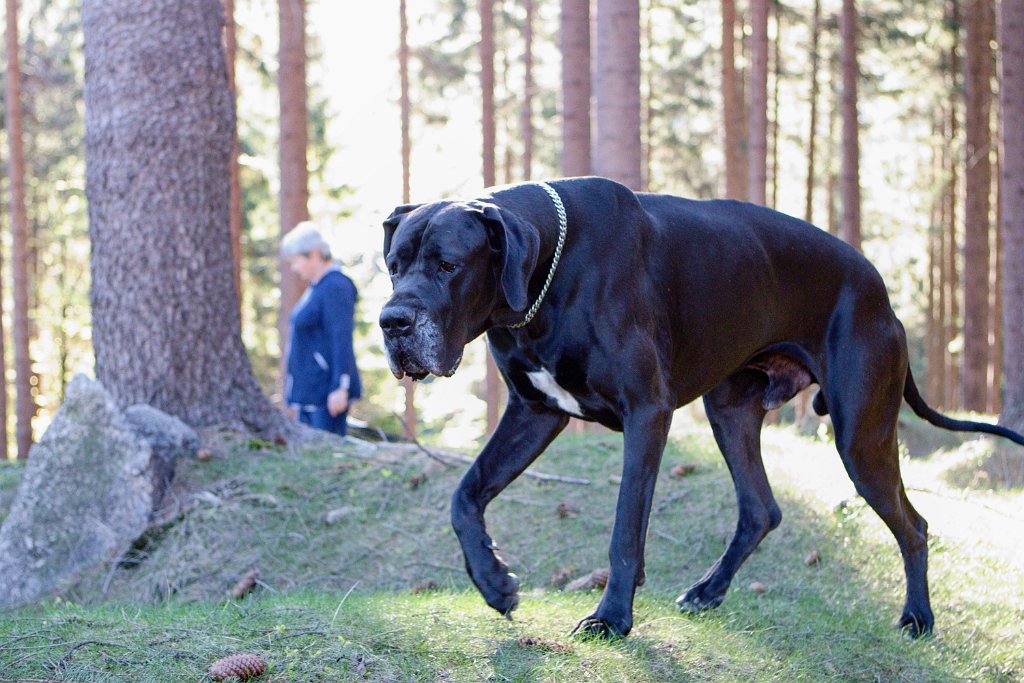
(397, 321)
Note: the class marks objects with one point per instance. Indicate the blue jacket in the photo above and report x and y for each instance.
(320, 342)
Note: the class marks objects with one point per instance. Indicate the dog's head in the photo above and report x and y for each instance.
(454, 266)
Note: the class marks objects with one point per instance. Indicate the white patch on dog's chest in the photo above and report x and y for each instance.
(544, 382)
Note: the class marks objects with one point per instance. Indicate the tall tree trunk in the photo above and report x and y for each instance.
(231, 52)
(527, 117)
(492, 386)
(833, 115)
(849, 177)
(812, 136)
(995, 360)
(25, 405)
(936, 341)
(166, 328)
(4, 447)
(732, 108)
(757, 115)
(648, 95)
(292, 147)
(1011, 99)
(411, 419)
(575, 43)
(952, 241)
(776, 78)
(978, 185)
(617, 153)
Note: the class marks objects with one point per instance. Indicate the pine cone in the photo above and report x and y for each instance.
(243, 666)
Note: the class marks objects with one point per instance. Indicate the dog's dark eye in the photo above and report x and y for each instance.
(447, 267)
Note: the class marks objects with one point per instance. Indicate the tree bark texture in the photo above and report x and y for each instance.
(294, 126)
(575, 43)
(159, 117)
(978, 184)
(1011, 94)
(25, 405)
(527, 114)
(812, 128)
(617, 149)
(411, 418)
(492, 388)
(849, 176)
(952, 277)
(4, 446)
(231, 52)
(732, 108)
(757, 114)
(776, 79)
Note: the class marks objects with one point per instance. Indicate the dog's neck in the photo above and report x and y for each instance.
(549, 217)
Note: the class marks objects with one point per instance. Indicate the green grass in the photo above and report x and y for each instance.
(162, 614)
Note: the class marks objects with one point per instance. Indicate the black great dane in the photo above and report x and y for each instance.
(619, 307)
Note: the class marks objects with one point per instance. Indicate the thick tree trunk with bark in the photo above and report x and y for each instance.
(575, 43)
(1011, 97)
(732, 108)
(231, 51)
(952, 277)
(159, 116)
(25, 405)
(757, 115)
(294, 125)
(617, 151)
(4, 447)
(849, 176)
(978, 184)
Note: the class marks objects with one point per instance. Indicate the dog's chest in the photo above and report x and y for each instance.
(545, 382)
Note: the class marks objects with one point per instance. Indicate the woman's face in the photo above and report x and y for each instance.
(306, 266)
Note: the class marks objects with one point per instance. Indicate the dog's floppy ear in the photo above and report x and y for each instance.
(520, 246)
(392, 221)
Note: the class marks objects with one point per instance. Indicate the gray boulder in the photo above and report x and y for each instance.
(87, 491)
(169, 439)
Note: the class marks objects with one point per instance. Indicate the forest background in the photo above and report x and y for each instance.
(912, 152)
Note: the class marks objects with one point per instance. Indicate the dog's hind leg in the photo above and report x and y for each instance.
(736, 413)
(523, 433)
(864, 394)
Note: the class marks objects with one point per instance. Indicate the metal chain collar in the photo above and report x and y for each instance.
(563, 226)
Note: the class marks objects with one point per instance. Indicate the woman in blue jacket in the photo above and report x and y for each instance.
(322, 379)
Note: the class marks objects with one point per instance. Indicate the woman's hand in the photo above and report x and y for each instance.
(337, 402)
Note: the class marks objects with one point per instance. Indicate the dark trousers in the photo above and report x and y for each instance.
(321, 419)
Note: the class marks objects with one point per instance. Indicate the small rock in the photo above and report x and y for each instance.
(683, 470)
(614, 479)
(280, 440)
(204, 455)
(417, 479)
(812, 558)
(758, 587)
(425, 587)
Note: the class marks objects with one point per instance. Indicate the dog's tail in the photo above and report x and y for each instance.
(926, 412)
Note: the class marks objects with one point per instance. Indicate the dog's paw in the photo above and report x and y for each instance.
(597, 627)
(501, 591)
(700, 597)
(916, 625)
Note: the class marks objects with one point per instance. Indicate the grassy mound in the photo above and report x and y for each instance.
(360, 578)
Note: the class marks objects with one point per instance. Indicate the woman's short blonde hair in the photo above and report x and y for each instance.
(305, 239)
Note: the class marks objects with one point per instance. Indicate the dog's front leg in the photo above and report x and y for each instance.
(644, 435)
(522, 434)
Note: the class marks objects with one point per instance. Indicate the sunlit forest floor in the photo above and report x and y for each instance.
(361, 577)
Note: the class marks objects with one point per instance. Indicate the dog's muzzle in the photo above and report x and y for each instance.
(414, 344)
